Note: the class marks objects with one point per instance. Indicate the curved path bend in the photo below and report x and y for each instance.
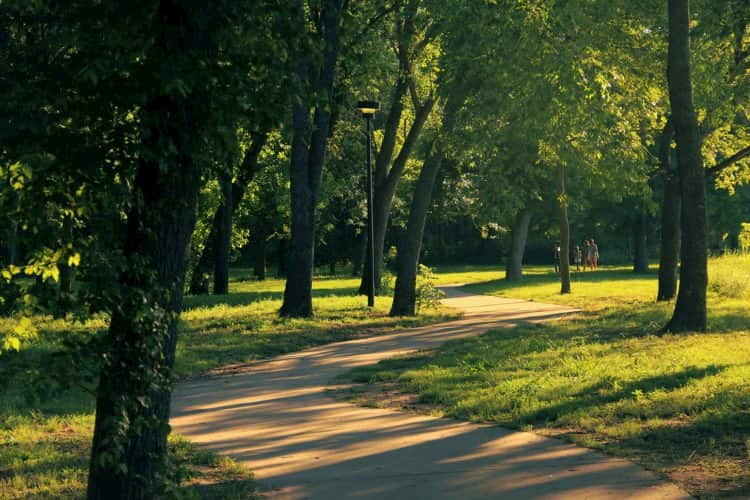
(275, 417)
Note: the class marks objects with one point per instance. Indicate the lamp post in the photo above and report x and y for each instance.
(368, 108)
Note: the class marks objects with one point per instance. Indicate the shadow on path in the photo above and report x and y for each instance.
(275, 417)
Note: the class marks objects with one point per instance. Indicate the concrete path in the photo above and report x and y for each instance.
(275, 417)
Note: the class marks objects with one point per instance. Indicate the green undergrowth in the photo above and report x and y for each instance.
(45, 435)
(605, 378)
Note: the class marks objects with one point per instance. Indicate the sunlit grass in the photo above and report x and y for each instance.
(44, 445)
(606, 378)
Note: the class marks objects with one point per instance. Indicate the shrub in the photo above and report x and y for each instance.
(387, 283)
(427, 294)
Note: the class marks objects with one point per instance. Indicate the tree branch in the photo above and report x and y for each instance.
(728, 162)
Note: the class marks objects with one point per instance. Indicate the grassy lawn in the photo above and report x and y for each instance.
(606, 378)
(44, 444)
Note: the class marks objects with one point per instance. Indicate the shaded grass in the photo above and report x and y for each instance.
(679, 404)
(45, 444)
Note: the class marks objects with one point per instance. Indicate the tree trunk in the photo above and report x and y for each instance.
(385, 190)
(564, 232)
(690, 309)
(404, 298)
(259, 257)
(64, 299)
(282, 257)
(640, 243)
(669, 255)
(518, 234)
(223, 244)
(128, 458)
(358, 256)
(410, 246)
(217, 237)
(11, 244)
(306, 164)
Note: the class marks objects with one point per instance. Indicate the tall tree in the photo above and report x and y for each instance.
(410, 42)
(669, 254)
(404, 298)
(214, 258)
(311, 119)
(690, 309)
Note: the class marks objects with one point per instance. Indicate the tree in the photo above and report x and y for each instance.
(311, 119)
(404, 298)
(411, 41)
(214, 259)
(690, 309)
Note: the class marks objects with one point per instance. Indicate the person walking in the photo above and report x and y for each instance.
(556, 256)
(577, 256)
(587, 255)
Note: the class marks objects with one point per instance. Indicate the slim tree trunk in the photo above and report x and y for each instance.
(690, 308)
(358, 255)
(385, 190)
(564, 232)
(65, 270)
(306, 164)
(518, 234)
(410, 246)
(223, 245)
(404, 298)
(640, 243)
(669, 255)
(217, 237)
(282, 257)
(259, 257)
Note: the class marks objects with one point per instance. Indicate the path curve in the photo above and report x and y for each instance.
(275, 417)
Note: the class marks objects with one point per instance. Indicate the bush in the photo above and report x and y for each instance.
(387, 284)
(729, 275)
(427, 295)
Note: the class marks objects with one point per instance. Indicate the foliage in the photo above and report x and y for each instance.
(45, 430)
(427, 294)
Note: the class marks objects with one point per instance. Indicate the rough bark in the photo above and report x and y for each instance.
(404, 298)
(132, 405)
(669, 254)
(217, 237)
(690, 308)
(385, 190)
(223, 244)
(640, 243)
(564, 231)
(517, 246)
(388, 171)
(410, 245)
(306, 163)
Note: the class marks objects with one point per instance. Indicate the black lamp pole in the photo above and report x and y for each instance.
(370, 225)
(368, 110)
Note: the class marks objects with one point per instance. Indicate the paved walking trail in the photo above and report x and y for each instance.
(275, 417)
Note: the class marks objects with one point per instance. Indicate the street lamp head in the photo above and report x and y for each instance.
(367, 108)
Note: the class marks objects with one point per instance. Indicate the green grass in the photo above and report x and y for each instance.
(606, 378)
(44, 445)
